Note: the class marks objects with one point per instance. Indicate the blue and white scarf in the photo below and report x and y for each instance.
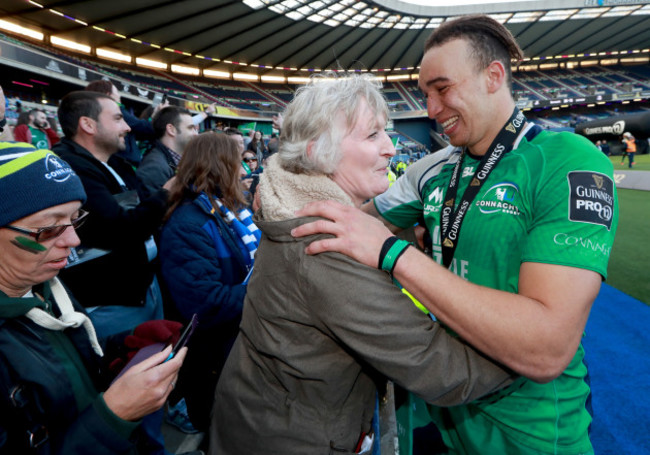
(242, 225)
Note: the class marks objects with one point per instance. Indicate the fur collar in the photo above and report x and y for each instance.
(282, 193)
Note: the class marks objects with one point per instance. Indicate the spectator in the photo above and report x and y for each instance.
(248, 138)
(257, 146)
(114, 273)
(141, 129)
(37, 131)
(201, 116)
(253, 170)
(250, 162)
(516, 281)
(630, 148)
(319, 332)
(277, 122)
(174, 129)
(50, 357)
(5, 132)
(207, 248)
(272, 146)
(238, 137)
(247, 181)
(604, 146)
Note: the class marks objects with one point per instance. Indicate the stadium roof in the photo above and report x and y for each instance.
(296, 37)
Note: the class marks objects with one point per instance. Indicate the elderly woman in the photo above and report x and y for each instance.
(319, 332)
(49, 354)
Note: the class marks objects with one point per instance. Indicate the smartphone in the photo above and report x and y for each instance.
(185, 336)
(157, 99)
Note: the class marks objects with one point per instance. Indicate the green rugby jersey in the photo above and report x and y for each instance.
(552, 200)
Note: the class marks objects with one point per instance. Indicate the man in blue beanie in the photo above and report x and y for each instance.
(50, 358)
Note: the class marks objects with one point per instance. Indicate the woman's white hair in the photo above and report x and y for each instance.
(315, 115)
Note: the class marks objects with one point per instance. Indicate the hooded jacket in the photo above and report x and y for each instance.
(318, 333)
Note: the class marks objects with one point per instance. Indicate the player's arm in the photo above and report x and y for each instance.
(535, 332)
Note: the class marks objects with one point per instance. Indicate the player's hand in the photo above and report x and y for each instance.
(357, 234)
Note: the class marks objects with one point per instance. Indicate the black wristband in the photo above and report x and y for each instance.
(3, 122)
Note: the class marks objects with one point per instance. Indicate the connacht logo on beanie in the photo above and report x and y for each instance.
(57, 170)
(32, 180)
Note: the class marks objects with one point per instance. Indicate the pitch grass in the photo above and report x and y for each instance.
(629, 262)
(642, 163)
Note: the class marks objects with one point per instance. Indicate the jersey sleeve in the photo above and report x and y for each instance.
(401, 205)
(576, 208)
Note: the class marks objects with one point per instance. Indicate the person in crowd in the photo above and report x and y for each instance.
(199, 118)
(174, 128)
(604, 146)
(257, 146)
(141, 129)
(5, 132)
(238, 137)
(272, 146)
(630, 148)
(400, 168)
(248, 138)
(247, 181)
(251, 165)
(207, 249)
(54, 397)
(23, 119)
(319, 333)
(112, 273)
(37, 131)
(509, 207)
(277, 121)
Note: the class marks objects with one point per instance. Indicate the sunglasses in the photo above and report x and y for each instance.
(50, 232)
(248, 160)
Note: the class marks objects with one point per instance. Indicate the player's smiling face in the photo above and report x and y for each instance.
(456, 91)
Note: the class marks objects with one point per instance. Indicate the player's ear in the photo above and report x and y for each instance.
(496, 76)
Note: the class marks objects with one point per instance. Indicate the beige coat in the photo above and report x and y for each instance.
(317, 334)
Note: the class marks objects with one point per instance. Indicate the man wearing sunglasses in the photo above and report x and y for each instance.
(112, 273)
(50, 356)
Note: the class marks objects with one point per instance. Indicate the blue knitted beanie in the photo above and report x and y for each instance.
(32, 180)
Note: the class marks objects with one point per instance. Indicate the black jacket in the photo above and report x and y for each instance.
(122, 276)
(156, 168)
(33, 376)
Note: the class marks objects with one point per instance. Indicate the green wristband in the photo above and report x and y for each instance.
(393, 254)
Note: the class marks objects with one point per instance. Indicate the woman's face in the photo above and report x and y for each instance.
(251, 160)
(25, 262)
(366, 151)
(258, 135)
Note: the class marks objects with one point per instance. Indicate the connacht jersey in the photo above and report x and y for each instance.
(551, 200)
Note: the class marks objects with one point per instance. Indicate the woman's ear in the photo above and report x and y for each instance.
(310, 148)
